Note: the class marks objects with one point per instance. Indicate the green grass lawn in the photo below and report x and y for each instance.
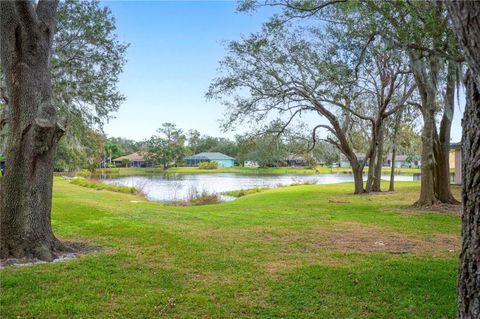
(310, 251)
(248, 170)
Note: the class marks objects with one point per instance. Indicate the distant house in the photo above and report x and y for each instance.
(222, 159)
(296, 160)
(455, 159)
(344, 162)
(250, 164)
(403, 161)
(136, 159)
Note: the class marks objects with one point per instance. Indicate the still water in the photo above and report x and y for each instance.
(177, 187)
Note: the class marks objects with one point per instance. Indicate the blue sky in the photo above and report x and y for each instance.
(174, 52)
(175, 47)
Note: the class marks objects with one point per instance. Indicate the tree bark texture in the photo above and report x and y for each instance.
(425, 75)
(469, 272)
(465, 16)
(26, 194)
(442, 142)
(358, 178)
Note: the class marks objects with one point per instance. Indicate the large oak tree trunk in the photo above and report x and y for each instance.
(33, 131)
(427, 192)
(465, 16)
(442, 165)
(469, 272)
(425, 73)
(442, 142)
(357, 170)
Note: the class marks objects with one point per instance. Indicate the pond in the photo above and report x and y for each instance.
(178, 187)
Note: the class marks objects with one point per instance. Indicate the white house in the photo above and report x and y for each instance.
(250, 164)
(403, 161)
(344, 162)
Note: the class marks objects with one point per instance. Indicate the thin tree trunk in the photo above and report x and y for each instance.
(371, 170)
(377, 180)
(398, 118)
(373, 156)
(465, 17)
(26, 192)
(391, 188)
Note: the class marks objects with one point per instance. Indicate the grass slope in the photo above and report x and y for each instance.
(296, 252)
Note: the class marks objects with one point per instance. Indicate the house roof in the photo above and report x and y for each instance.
(294, 157)
(209, 156)
(137, 156)
(398, 157)
(360, 156)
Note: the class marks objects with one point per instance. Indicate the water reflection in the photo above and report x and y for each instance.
(176, 187)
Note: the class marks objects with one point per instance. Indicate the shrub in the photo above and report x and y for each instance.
(125, 162)
(84, 173)
(108, 171)
(202, 198)
(208, 165)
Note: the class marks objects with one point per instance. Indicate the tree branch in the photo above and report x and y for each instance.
(46, 10)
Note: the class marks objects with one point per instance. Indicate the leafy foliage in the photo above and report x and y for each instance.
(168, 147)
(87, 61)
(208, 165)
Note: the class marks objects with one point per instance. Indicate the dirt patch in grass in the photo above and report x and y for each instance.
(336, 201)
(444, 208)
(358, 237)
(348, 237)
(75, 249)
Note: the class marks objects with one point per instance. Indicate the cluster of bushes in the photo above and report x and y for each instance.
(197, 198)
(102, 171)
(208, 165)
(84, 173)
(90, 183)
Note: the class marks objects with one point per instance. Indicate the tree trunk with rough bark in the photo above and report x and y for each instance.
(465, 16)
(469, 272)
(26, 33)
(358, 178)
(442, 142)
(427, 191)
(425, 75)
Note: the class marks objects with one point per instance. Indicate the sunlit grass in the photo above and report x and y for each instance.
(309, 251)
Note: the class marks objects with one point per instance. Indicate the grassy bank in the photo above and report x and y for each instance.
(246, 170)
(295, 252)
(89, 183)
